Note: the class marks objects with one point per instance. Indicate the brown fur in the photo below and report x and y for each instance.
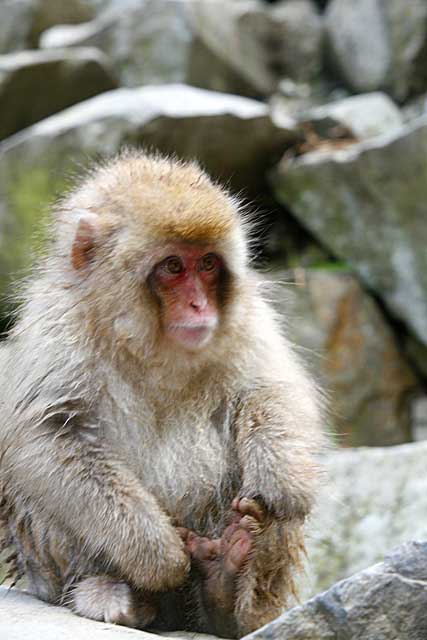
(110, 438)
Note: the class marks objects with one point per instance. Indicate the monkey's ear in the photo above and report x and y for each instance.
(83, 248)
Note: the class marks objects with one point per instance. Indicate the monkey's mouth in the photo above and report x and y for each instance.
(192, 336)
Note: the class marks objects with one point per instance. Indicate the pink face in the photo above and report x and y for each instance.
(186, 283)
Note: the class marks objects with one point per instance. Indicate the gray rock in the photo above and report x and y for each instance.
(15, 24)
(386, 601)
(23, 617)
(232, 136)
(22, 21)
(244, 46)
(262, 44)
(361, 117)
(368, 207)
(148, 41)
(369, 382)
(96, 33)
(379, 45)
(228, 134)
(414, 108)
(36, 84)
(419, 417)
(374, 499)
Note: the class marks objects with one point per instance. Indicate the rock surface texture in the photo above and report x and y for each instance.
(367, 206)
(23, 617)
(374, 500)
(344, 333)
(360, 117)
(379, 45)
(385, 602)
(22, 21)
(53, 80)
(149, 41)
(262, 44)
(244, 47)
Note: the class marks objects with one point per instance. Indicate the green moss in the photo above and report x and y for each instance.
(27, 198)
(339, 266)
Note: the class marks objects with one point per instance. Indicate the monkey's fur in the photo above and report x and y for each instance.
(110, 438)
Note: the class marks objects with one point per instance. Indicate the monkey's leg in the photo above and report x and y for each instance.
(110, 600)
(54, 565)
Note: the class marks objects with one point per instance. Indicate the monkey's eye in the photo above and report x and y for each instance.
(173, 265)
(209, 262)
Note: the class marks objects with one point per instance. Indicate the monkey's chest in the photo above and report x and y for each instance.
(186, 464)
(189, 470)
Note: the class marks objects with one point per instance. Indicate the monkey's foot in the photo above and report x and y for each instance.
(221, 560)
(109, 600)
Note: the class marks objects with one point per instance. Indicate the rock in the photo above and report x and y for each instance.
(379, 45)
(262, 44)
(419, 417)
(228, 134)
(22, 21)
(360, 117)
(414, 108)
(23, 617)
(232, 136)
(246, 46)
(366, 204)
(96, 33)
(374, 499)
(383, 602)
(36, 84)
(148, 42)
(368, 380)
(416, 352)
(15, 24)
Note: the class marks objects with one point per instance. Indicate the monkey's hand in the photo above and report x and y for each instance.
(164, 562)
(280, 501)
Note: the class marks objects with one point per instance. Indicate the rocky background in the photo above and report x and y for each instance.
(316, 113)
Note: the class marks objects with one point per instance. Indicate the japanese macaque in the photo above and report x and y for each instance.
(159, 438)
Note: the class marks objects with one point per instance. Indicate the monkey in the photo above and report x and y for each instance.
(160, 439)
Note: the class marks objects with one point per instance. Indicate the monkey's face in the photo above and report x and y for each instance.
(158, 258)
(187, 286)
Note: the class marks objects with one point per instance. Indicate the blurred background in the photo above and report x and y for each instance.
(316, 114)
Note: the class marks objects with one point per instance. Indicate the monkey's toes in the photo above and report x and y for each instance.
(202, 549)
(107, 600)
(236, 549)
(249, 507)
(220, 562)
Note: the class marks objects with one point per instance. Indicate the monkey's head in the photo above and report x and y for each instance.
(156, 251)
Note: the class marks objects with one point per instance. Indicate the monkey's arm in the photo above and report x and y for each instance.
(279, 438)
(83, 487)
